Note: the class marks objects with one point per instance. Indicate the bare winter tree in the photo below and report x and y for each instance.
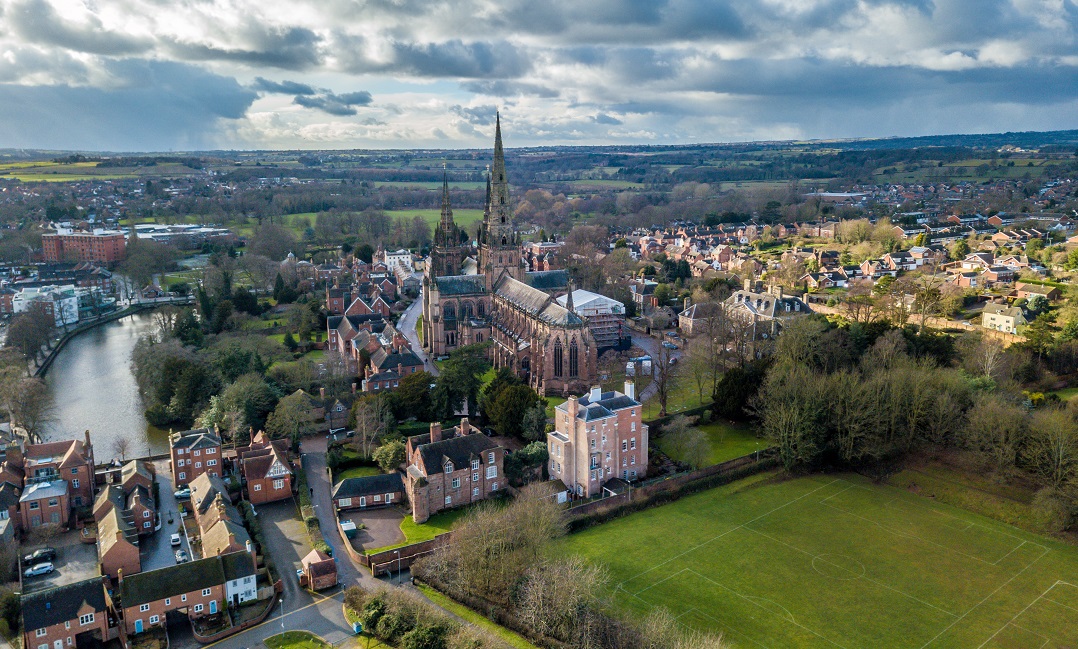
(121, 446)
(664, 369)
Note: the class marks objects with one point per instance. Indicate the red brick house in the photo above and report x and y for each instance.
(71, 460)
(73, 615)
(194, 452)
(368, 492)
(452, 468)
(146, 598)
(44, 503)
(265, 470)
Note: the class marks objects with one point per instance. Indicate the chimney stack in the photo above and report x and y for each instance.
(353, 387)
(573, 406)
(465, 427)
(435, 431)
(748, 283)
(322, 393)
(688, 303)
(630, 389)
(367, 371)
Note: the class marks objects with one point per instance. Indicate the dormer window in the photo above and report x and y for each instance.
(475, 465)
(448, 466)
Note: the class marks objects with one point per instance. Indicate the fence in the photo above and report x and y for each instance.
(670, 488)
(386, 561)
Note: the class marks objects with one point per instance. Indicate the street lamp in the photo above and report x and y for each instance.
(398, 553)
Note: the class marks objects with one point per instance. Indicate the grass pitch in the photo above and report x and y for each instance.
(840, 562)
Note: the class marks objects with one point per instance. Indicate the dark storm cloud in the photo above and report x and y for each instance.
(282, 87)
(288, 48)
(35, 21)
(501, 88)
(341, 105)
(159, 104)
(480, 115)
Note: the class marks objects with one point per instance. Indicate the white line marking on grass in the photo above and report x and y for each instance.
(1031, 631)
(1018, 615)
(661, 581)
(721, 624)
(996, 562)
(990, 595)
(751, 600)
(1059, 603)
(732, 529)
(865, 577)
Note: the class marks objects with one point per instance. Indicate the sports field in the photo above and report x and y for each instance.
(837, 561)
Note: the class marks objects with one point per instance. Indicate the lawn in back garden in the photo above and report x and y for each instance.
(726, 440)
(838, 561)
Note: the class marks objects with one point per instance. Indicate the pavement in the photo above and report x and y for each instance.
(75, 561)
(154, 550)
(407, 326)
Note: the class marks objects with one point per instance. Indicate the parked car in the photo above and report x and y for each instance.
(175, 540)
(672, 334)
(299, 575)
(181, 556)
(39, 569)
(669, 345)
(40, 555)
(183, 494)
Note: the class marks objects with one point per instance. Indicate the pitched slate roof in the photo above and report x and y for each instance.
(9, 495)
(459, 450)
(39, 490)
(62, 604)
(384, 360)
(547, 280)
(197, 438)
(132, 469)
(173, 581)
(368, 485)
(461, 284)
(205, 488)
(217, 538)
(535, 303)
(237, 565)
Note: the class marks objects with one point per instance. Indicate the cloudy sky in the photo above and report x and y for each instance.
(156, 75)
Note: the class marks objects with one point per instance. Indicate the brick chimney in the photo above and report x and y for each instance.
(400, 369)
(322, 393)
(367, 371)
(465, 427)
(573, 406)
(353, 387)
(435, 431)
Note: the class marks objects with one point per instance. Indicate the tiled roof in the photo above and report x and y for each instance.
(384, 360)
(62, 604)
(459, 450)
(173, 581)
(197, 438)
(547, 280)
(368, 485)
(535, 303)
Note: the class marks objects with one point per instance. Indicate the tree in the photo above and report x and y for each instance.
(685, 443)
(412, 396)
(1052, 451)
(30, 330)
(534, 425)
(461, 378)
(272, 241)
(31, 407)
(368, 419)
(121, 446)
(664, 369)
(960, 249)
(996, 430)
(389, 456)
(510, 407)
(291, 418)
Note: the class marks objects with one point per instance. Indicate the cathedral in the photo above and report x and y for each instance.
(490, 298)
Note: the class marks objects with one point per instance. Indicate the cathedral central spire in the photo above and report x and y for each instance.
(447, 211)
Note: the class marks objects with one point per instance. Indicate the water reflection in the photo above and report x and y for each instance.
(93, 388)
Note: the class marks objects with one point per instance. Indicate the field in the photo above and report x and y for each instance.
(727, 441)
(837, 561)
(465, 219)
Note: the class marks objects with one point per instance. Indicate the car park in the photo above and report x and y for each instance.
(39, 569)
(175, 540)
(182, 557)
(40, 555)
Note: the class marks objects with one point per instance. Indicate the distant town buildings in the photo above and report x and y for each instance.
(99, 245)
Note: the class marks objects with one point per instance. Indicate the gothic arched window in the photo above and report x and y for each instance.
(450, 312)
(481, 310)
(557, 358)
(574, 360)
(466, 311)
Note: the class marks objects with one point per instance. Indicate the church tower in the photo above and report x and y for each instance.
(446, 256)
(499, 249)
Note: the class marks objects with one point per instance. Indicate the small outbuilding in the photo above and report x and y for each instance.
(368, 492)
(320, 570)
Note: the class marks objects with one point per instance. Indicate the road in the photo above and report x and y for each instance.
(407, 324)
(156, 551)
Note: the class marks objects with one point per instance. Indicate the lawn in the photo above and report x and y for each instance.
(358, 472)
(296, 640)
(728, 441)
(470, 616)
(838, 561)
(1066, 394)
(440, 523)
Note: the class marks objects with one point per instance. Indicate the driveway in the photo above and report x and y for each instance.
(313, 450)
(75, 561)
(651, 345)
(382, 527)
(154, 550)
(287, 541)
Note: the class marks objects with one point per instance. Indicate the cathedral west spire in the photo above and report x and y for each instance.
(447, 210)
